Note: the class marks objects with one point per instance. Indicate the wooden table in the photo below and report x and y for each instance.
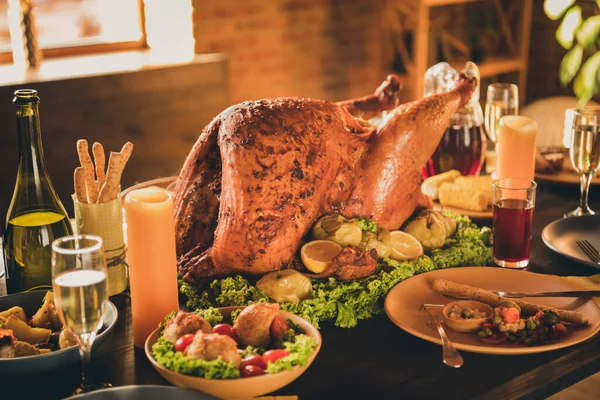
(378, 360)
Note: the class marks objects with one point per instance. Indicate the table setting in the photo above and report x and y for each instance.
(310, 249)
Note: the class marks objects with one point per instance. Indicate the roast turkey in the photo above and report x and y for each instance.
(263, 171)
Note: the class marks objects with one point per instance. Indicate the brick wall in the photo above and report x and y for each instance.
(329, 49)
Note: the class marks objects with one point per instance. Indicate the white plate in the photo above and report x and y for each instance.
(403, 301)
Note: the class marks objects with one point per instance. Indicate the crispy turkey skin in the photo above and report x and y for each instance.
(263, 171)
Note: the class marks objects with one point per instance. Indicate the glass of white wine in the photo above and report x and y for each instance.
(80, 292)
(585, 153)
(501, 99)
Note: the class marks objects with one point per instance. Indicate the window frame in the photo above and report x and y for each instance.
(90, 45)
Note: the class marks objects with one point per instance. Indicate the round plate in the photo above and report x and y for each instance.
(562, 234)
(404, 300)
(148, 392)
(564, 177)
(240, 388)
(474, 215)
(49, 362)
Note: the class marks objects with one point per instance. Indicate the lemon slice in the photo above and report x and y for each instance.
(405, 246)
(318, 254)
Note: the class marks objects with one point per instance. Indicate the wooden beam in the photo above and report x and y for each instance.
(505, 28)
(525, 34)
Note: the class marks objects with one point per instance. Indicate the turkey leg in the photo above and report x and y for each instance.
(385, 97)
(388, 183)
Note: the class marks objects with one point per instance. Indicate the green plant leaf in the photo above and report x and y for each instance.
(570, 64)
(554, 9)
(586, 82)
(587, 35)
(566, 30)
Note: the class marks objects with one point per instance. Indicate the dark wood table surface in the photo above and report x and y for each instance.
(378, 360)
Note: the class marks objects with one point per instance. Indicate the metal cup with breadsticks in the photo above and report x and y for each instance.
(104, 186)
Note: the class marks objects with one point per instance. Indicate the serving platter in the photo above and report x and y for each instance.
(146, 392)
(562, 234)
(563, 177)
(404, 300)
(474, 215)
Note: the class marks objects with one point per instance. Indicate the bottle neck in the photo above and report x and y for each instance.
(31, 152)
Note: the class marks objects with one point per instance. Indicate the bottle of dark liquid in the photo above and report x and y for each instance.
(36, 216)
(464, 142)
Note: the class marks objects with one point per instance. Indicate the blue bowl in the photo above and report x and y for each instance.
(50, 362)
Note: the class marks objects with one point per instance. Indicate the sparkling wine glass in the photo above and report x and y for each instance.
(80, 292)
(585, 153)
(501, 99)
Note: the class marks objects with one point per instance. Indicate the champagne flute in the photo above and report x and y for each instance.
(501, 99)
(585, 153)
(80, 292)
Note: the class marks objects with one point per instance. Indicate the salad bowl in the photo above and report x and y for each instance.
(239, 388)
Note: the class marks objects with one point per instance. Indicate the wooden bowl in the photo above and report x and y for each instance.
(466, 325)
(240, 388)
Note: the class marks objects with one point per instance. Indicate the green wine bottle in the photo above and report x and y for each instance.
(35, 216)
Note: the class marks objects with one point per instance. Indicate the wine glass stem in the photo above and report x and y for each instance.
(86, 357)
(586, 179)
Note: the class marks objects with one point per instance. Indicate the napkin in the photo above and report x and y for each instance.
(584, 283)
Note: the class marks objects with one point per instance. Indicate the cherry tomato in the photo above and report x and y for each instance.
(252, 370)
(274, 355)
(223, 329)
(184, 341)
(279, 327)
(254, 360)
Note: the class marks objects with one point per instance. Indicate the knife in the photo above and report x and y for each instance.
(573, 293)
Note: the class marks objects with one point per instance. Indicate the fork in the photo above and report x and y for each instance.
(450, 355)
(589, 250)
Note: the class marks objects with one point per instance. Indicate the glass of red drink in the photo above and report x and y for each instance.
(514, 202)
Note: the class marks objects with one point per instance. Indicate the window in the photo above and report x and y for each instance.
(67, 27)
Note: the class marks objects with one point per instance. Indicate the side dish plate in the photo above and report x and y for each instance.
(56, 360)
(563, 178)
(146, 392)
(403, 301)
(562, 234)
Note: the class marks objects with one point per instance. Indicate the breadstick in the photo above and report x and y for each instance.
(86, 163)
(485, 296)
(126, 152)
(100, 161)
(79, 181)
(110, 189)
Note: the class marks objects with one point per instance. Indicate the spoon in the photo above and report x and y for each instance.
(450, 355)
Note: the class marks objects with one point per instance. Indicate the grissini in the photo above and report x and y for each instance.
(110, 189)
(100, 161)
(88, 167)
(453, 289)
(79, 181)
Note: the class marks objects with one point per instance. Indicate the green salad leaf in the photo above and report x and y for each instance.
(347, 302)
(366, 224)
(211, 315)
(300, 351)
(165, 355)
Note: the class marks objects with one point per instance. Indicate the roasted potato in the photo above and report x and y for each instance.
(336, 228)
(47, 315)
(16, 311)
(66, 339)
(25, 333)
(24, 349)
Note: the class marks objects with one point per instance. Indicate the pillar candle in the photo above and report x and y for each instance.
(515, 149)
(152, 259)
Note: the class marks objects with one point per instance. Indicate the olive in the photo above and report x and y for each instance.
(551, 318)
(466, 313)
